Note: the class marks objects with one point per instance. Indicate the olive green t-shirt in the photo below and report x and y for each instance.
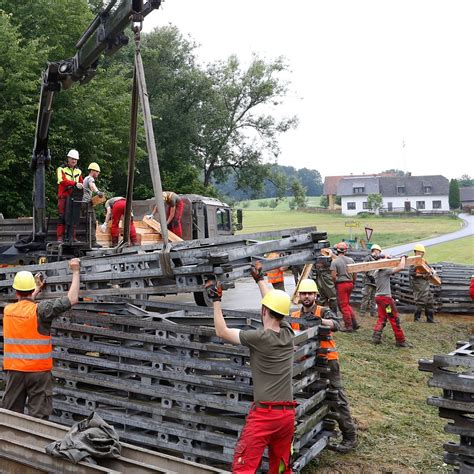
(271, 361)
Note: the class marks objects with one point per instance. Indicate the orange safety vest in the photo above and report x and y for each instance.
(276, 275)
(331, 344)
(24, 348)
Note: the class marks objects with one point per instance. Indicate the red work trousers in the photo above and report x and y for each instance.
(344, 290)
(387, 309)
(175, 224)
(265, 427)
(118, 210)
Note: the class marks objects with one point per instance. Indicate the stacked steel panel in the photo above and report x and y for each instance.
(451, 297)
(166, 381)
(454, 374)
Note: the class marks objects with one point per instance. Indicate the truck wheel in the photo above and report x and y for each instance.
(201, 299)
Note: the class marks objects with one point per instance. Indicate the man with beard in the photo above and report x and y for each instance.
(310, 315)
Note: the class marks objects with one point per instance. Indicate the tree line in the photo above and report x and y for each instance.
(211, 122)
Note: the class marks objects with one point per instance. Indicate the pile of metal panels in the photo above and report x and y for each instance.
(164, 380)
(180, 268)
(454, 374)
(22, 450)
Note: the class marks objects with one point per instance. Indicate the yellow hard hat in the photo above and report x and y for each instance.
(375, 247)
(419, 248)
(307, 286)
(278, 301)
(24, 281)
(94, 166)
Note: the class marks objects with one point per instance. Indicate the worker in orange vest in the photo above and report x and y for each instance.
(27, 343)
(275, 277)
(311, 314)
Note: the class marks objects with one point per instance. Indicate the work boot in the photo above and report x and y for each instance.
(355, 324)
(417, 316)
(95, 245)
(430, 316)
(346, 445)
(377, 337)
(403, 344)
(344, 329)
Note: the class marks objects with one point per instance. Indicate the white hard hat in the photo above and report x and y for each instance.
(74, 154)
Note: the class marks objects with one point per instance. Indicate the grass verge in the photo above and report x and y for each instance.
(388, 231)
(398, 431)
(456, 251)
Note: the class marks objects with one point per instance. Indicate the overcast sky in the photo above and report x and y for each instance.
(375, 84)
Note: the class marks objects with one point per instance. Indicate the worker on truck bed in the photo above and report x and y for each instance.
(344, 285)
(311, 314)
(174, 212)
(386, 305)
(420, 283)
(27, 343)
(68, 177)
(115, 208)
(89, 189)
(272, 415)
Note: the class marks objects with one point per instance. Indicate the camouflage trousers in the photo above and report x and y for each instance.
(368, 300)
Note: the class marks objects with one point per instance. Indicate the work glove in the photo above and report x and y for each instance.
(40, 281)
(257, 272)
(371, 279)
(149, 216)
(214, 290)
(100, 194)
(103, 228)
(79, 185)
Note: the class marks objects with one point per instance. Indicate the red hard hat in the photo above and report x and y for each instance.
(342, 246)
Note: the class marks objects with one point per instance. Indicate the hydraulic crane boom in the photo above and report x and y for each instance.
(104, 35)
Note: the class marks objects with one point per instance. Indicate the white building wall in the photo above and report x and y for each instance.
(358, 200)
(397, 202)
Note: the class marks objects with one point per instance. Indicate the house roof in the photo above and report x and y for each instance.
(414, 185)
(369, 183)
(331, 182)
(466, 194)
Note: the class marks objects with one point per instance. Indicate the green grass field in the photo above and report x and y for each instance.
(313, 201)
(398, 431)
(456, 251)
(388, 231)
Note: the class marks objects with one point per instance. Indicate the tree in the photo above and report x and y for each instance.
(324, 202)
(299, 194)
(311, 180)
(465, 180)
(374, 202)
(236, 133)
(454, 199)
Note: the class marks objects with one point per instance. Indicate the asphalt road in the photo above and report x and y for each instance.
(466, 230)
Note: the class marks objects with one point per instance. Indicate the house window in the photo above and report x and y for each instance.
(400, 189)
(365, 205)
(427, 189)
(358, 190)
(390, 206)
(436, 204)
(351, 206)
(420, 204)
